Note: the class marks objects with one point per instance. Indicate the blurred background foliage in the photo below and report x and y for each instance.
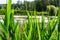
(38, 4)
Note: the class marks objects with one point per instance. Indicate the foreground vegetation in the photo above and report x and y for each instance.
(32, 29)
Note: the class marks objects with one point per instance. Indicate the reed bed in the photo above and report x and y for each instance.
(33, 29)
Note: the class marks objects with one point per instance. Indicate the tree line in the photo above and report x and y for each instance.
(39, 5)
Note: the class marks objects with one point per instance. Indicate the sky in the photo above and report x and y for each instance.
(13, 1)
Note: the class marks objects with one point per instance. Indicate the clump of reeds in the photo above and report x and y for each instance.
(33, 29)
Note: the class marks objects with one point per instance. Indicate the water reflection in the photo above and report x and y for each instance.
(22, 21)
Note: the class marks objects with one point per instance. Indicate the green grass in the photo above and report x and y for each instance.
(33, 29)
(21, 12)
(59, 23)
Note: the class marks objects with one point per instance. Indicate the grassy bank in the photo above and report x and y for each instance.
(21, 12)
